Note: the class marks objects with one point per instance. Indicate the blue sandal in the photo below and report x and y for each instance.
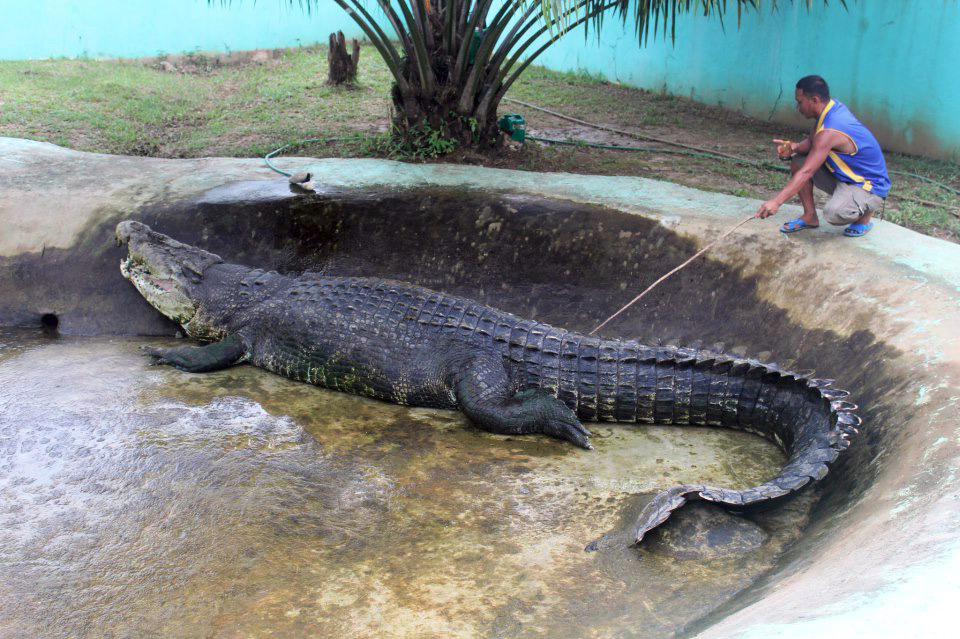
(795, 225)
(857, 230)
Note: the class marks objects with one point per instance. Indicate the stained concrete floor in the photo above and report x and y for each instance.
(879, 557)
(243, 504)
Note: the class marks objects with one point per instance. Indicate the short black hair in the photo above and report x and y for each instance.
(814, 85)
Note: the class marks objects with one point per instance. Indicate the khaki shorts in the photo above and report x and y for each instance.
(847, 201)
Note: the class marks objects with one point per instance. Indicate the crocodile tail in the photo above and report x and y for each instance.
(819, 429)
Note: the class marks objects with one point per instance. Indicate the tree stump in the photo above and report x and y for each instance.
(343, 66)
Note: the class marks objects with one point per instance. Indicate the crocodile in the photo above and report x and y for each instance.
(409, 345)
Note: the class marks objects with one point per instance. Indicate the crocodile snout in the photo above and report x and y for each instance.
(128, 228)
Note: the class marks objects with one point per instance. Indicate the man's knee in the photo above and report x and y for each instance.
(849, 203)
(839, 213)
(843, 206)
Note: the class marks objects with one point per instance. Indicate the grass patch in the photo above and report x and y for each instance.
(132, 108)
(198, 105)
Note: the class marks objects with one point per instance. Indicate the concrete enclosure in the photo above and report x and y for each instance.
(879, 555)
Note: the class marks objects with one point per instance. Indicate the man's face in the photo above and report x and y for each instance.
(809, 106)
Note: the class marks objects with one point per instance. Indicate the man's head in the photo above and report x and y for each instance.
(812, 96)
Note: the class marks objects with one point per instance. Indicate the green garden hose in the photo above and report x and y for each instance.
(267, 157)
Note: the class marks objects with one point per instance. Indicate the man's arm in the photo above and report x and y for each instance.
(819, 147)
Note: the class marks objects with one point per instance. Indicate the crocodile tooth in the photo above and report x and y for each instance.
(722, 365)
(770, 376)
(842, 406)
(756, 370)
(820, 383)
(849, 419)
(740, 368)
(705, 364)
(834, 393)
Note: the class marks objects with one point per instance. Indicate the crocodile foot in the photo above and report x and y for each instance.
(485, 395)
(201, 359)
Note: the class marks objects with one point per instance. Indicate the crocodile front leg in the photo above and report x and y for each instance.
(202, 359)
(484, 394)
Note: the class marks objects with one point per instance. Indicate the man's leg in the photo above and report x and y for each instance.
(865, 218)
(823, 181)
(851, 205)
(809, 216)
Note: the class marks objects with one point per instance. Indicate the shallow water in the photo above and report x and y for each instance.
(140, 501)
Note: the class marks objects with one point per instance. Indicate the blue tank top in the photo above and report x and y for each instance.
(865, 167)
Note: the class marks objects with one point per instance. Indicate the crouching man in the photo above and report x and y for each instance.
(840, 157)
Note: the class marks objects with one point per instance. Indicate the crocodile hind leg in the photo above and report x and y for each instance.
(485, 395)
(202, 359)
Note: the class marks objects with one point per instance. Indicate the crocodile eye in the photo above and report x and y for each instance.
(190, 274)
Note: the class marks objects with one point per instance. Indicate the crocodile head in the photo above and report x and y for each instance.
(167, 273)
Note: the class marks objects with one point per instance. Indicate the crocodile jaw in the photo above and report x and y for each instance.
(166, 272)
(164, 294)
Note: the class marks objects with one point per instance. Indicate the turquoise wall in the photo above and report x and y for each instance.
(895, 63)
(32, 29)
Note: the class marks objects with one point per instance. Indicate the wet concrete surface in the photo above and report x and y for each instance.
(140, 501)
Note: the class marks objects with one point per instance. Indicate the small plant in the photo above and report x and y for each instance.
(200, 61)
(584, 76)
(360, 144)
(371, 144)
(422, 141)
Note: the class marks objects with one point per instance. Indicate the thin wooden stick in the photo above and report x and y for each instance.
(695, 256)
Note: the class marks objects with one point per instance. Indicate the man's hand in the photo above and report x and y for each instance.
(785, 149)
(768, 208)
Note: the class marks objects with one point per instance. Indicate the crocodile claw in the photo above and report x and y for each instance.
(573, 432)
(157, 355)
